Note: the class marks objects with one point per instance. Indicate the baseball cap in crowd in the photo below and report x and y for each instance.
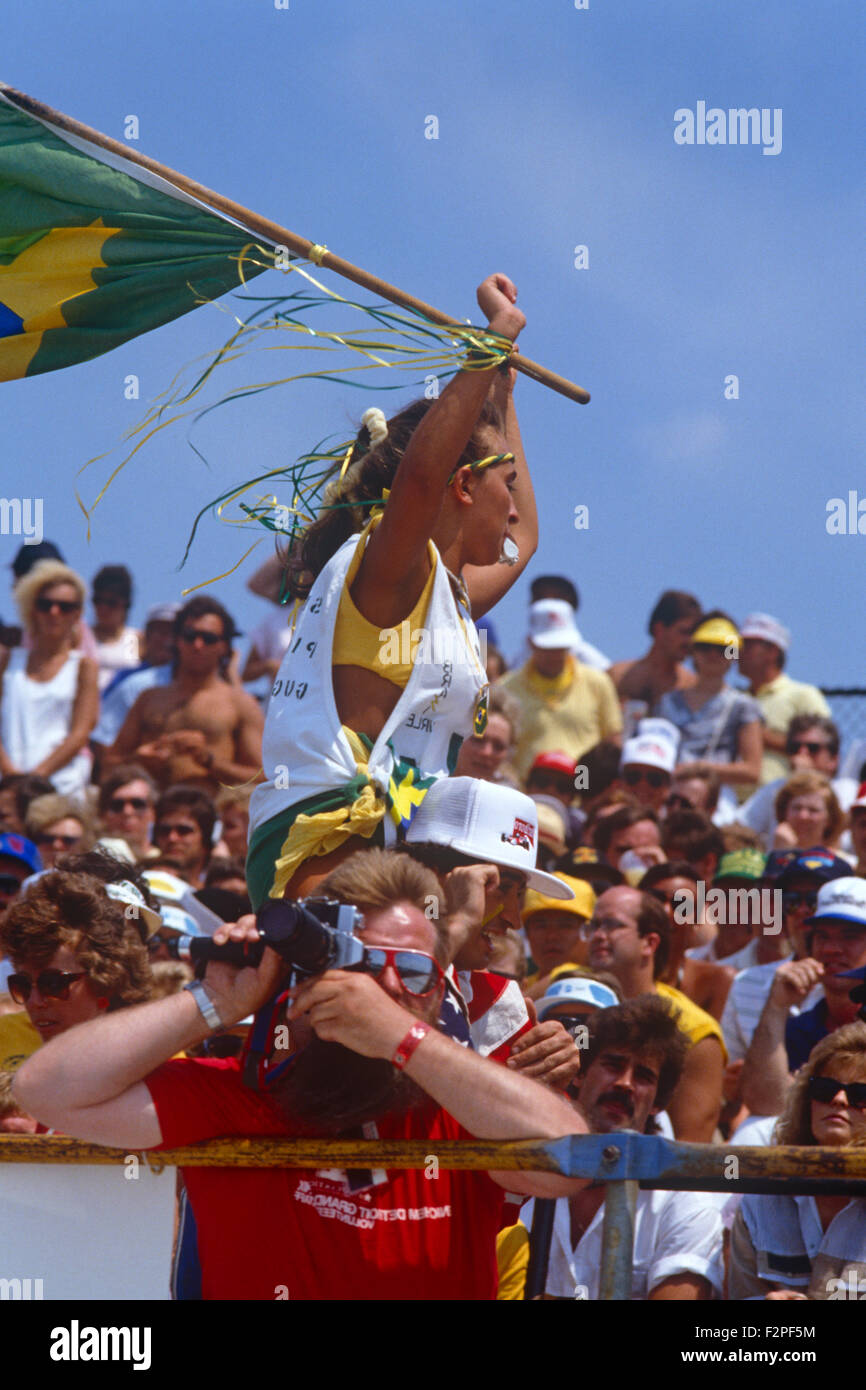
(554, 761)
(162, 613)
(574, 990)
(767, 629)
(486, 821)
(17, 847)
(716, 632)
(551, 624)
(843, 900)
(176, 892)
(586, 863)
(551, 824)
(741, 863)
(784, 865)
(127, 893)
(654, 746)
(580, 905)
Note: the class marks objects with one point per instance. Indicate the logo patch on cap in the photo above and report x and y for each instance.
(522, 835)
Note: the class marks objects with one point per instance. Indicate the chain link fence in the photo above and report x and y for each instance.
(848, 707)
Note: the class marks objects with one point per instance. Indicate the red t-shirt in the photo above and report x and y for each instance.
(268, 1233)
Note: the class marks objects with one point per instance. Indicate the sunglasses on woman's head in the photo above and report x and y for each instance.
(52, 984)
(825, 1088)
(66, 605)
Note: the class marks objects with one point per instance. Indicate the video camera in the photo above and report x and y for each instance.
(311, 935)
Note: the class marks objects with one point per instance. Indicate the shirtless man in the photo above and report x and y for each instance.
(649, 677)
(199, 729)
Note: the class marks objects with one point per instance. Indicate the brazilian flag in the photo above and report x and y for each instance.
(95, 249)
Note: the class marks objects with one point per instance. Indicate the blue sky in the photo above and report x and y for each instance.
(555, 130)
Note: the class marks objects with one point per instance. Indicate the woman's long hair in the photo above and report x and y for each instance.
(370, 470)
(847, 1044)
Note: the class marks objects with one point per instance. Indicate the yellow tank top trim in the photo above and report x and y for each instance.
(387, 652)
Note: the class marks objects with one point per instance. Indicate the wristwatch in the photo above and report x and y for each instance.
(206, 1006)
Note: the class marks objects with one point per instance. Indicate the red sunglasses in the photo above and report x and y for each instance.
(419, 974)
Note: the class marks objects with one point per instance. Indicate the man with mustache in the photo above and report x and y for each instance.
(302, 1233)
(633, 1062)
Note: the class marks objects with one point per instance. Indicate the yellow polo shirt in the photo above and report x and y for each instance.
(569, 713)
(780, 701)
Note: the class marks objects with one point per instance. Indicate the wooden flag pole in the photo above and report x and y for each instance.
(276, 235)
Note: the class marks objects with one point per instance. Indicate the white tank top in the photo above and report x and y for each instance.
(36, 716)
(305, 749)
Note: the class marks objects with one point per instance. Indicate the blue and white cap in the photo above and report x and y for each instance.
(576, 990)
(841, 900)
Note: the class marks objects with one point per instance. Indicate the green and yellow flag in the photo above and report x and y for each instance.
(95, 249)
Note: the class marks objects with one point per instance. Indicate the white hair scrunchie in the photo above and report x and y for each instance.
(377, 425)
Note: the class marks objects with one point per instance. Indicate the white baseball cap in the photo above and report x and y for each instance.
(841, 900)
(551, 624)
(487, 822)
(168, 888)
(767, 629)
(654, 744)
(126, 892)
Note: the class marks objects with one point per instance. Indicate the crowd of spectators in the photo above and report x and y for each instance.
(674, 958)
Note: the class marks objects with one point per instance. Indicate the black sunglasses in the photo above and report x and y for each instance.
(66, 605)
(159, 831)
(826, 1087)
(119, 803)
(810, 747)
(791, 900)
(67, 841)
(656, 778)
(571, 1022)
(192, 634)
(52, 984)
(9, 884)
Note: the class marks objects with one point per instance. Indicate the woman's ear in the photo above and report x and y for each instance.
(460, 485)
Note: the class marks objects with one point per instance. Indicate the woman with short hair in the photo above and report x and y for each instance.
(49, 699)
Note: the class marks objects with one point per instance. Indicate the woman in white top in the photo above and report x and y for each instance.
(804, 1247)
(49, 699)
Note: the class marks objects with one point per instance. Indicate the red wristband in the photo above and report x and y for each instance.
(404, 1051)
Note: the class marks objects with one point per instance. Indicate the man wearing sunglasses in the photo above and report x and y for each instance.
(836, 944)
(763, 655)
(811, 745)
(200, 729)
(797, 877)
(305, 1233)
